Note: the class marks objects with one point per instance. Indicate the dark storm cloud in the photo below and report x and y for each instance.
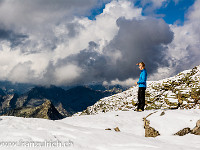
(11, 36)
(140, 40)
(89, 60)
(135, 41)
(29, 13)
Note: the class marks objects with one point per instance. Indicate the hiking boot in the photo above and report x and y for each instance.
(139, 110)
(136, 109)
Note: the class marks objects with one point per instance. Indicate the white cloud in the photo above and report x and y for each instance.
(64, 47)
(66, 74)
(128, 82)
(184, 50)
(54, 32)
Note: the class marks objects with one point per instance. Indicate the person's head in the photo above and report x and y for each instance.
(141, 65)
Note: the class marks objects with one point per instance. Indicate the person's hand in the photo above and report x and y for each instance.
(136, 83)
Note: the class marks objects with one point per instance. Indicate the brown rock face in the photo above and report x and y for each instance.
(196, 130)
(116, 129)
(183, 132)
(151, 132)
(163, 113)
(108, 129)
(198, 124)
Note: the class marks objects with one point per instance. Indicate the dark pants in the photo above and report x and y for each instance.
(141, 98)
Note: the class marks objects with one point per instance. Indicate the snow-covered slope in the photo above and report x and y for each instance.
(181, 91)
(87, 132)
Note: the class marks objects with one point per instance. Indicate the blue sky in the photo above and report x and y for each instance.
(175, 12)
(171, 11)
(96, 11)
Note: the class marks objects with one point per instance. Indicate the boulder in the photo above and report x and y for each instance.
(196, 130)
(151, 132)
(183, 131)
(108, 129)
(162, 113)
(116, 129)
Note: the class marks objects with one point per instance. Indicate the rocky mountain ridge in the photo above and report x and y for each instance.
(181, 91)
(45, 111)
(67, 102)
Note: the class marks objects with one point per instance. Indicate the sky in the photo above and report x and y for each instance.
(69, 42)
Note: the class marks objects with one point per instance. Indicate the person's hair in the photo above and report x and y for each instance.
(143, 65)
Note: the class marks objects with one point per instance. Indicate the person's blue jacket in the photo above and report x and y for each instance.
(143, 78)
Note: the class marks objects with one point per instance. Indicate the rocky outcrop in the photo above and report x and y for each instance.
(108, 129)
(149, 131)
(178, 92)
(162, 113)
(67, 102)
(196, 130)
(8, 102)
(183, 131)
(117, 129)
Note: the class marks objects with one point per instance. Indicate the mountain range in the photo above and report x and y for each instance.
(66, 102)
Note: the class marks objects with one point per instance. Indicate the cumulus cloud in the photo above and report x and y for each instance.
(57, 45)
(79, 50)
(136, 40)
(183, 52)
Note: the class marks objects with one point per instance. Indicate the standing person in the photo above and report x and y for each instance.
(142, 86)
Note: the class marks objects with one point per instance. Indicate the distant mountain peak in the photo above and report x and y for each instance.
(46, 111)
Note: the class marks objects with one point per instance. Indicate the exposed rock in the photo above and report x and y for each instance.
(61, 110)
(151, 132)
(198, 124)
(8, 102)
(146, 123)
(183, 131)
(196, 130)
(108, 129)
(116, 129)
(162, 113)
(178, 92)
